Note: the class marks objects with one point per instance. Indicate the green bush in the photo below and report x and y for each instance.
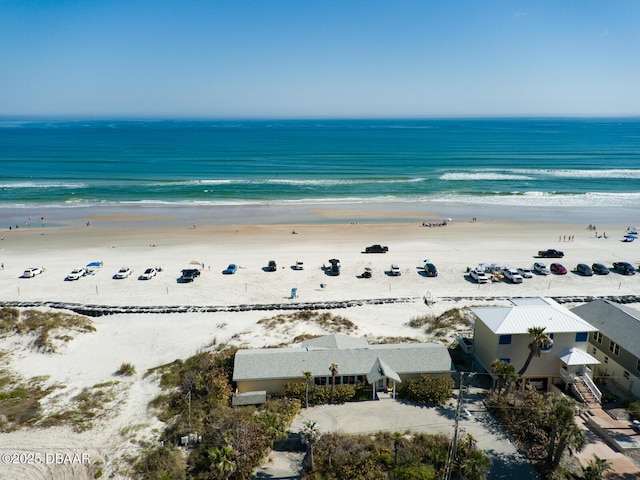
(344, 393)
(126, 369)
(427, 389)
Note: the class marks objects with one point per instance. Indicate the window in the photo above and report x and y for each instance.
(594, 350)
(549, 346)
(581, 336)
(606, 359)
(626, 375)
(505, 340)
(638, 366)
(597, 336)
(321, 381)
(505, 360)
(349, 380)
(614, 348)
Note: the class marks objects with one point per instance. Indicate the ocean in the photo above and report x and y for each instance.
(438, 165)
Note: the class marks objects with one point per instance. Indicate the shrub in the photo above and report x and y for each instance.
(427, 389)
(126, 369)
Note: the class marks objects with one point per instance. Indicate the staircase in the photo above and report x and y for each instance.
(585, 394)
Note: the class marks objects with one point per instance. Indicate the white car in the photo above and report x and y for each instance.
(299, 265)
(148, 274)
(478, 275)
(512, 275)
(541, 268)
(32, 272)
(395, 270)
(525, 273)
(124, 272)
(76, 273)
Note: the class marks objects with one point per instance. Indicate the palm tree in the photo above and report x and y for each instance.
(307, 380)
(596, 468)
(334, 373)
(309, 434)
(221, 463)
(564, 431)
(504, 373)
(539, 340)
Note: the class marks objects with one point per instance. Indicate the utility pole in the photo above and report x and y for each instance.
(451, 456)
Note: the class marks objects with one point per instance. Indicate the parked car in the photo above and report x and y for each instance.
(124, 272)
(394, 271)
(551, 253)
(148, 274)
(512, 275)
(599, 269)
(231, 269)
(584, 270)
(625, 268)
(76, 273)
(558, 269)
(271, 266)
(376, 249)
(299, 265)
(525, 272)
(430, 270)
(478, 275)
(32, 272)
(189, 275)
(541, 268)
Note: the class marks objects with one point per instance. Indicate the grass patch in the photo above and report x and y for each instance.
(328, 321)
(441, 325)
(50, 328)
(126, 370)
(20, 403)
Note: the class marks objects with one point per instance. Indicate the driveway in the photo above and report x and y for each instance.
(391, 415)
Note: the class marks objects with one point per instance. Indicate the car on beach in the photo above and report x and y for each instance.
(376, 249)
(394, 271)
(625, 268)
(551, 253)
(299, 265)
(189, 275)
(32, 272)
(584, 270)
(124, 272)
(525, 272)
(478, 275)
(558, 269)
(599, 269)
(541, 268)
(76, 273)
(230, 270)
(272, 266)
(512, 275)
(148, 274)
(430, 270)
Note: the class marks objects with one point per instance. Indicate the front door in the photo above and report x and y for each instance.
(382, 385)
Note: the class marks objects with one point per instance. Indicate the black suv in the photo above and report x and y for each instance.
(190, 274)
(430, 270)
(625, 268)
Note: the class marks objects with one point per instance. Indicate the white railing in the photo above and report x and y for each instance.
(592, 388)
(567, 377)
(465, 340)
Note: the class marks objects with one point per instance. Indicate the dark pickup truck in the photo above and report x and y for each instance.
(376, 249)
(551, 253)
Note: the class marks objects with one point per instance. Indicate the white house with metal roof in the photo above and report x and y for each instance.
(382, 366)
(502, 333)
(616, 343)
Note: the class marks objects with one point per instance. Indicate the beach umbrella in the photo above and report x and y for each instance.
(333, 261)
(94, 264)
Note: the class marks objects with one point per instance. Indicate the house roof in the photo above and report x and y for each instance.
(381, 370)
(336, 340)
(289, 363)
(575, 356)
(618, 322)
(526, 314)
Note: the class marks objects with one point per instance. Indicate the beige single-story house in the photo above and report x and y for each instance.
(383, 366)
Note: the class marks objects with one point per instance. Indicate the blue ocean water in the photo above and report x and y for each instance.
(529, 162)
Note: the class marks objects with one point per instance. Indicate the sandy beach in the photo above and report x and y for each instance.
(149, 340)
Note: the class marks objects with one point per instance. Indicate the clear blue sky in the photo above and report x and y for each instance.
(374, 58)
